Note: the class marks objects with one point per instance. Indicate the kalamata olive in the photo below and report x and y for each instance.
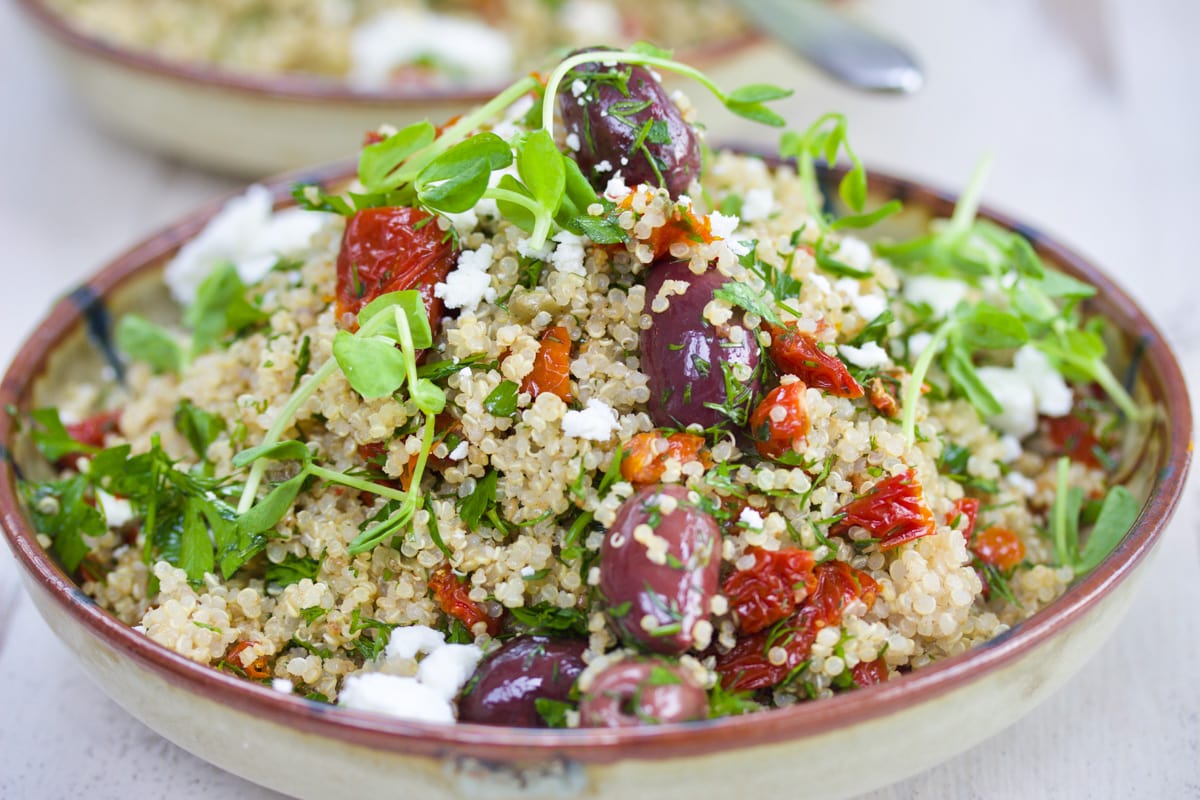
(631, 693)
(506, 686)
(625, 122)
(659, 567)
(689, 360)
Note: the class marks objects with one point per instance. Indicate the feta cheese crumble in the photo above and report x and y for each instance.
(568, 255)
(868, 356)
(597, 422)
(405, 698)
(751, 519)
(245, 233)
(470, 284)
(1030, 387)
(942, 294)
(758, 204)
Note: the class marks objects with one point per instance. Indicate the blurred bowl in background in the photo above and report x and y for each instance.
(267, 103)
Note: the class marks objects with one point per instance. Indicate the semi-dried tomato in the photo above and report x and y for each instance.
(771, 589)
(646, 455)
(445, 426)
(748, 665)
(999, 547)
(452, 597)
(894, 512)
(258, 669)
(869, 673)
(681, 226)
(388, 250)
(968, 509)
(780, 421)
(796, 353)
(1073, 436)
(551, 366)
(91, 431)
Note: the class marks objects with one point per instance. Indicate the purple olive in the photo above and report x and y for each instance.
(632, 693)
(625, 122)
(688, 360)
(659, 569)
(508, 683)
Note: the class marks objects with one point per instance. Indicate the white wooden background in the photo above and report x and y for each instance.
(1092, 108)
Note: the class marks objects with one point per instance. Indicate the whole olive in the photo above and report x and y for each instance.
(625, 122)
(650, 692)
(507, 684)
(689, 361)
(659, 567)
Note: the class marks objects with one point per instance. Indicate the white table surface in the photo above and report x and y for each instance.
(1091, 108)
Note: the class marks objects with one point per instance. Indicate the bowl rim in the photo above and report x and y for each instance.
(301, 88)
(594, 746)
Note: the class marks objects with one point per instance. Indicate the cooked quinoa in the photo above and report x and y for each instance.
(431, 40)
(564, 468)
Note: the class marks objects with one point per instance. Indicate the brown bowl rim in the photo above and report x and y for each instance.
(302, 88)
(512, 745)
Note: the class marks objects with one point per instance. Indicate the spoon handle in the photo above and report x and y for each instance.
(836, 44)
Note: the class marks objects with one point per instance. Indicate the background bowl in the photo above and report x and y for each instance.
(836, 747)
(255, 125)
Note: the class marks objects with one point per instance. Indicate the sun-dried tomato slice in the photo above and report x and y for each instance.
(91, 431)
(258, 669)
(388, 250)
(869, 673)
(968, 509)
(646, 455)
(999, 547)
(1074, 436)
(551, 366)
(445, 427)
(748, 665)
(771, 589)
(780, 420)
(451, 595)
(894, 512)
(796, 353)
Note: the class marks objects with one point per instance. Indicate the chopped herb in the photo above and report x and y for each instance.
(292, 569)
(502, 401)
(549, 619)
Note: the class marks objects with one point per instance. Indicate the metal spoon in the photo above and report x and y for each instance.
(835, 44)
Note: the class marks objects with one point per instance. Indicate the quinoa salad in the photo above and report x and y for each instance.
(371, 44)
(554, 417)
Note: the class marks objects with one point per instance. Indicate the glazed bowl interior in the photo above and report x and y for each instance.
(72, 345)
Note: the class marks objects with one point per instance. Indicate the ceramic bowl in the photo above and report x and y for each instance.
(837, 747)
(251, 125)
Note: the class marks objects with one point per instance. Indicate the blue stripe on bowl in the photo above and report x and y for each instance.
(99, 326)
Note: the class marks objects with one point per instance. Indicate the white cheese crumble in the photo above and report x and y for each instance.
(459, 452)
(751, 519)
(406, 698)
(408, 641)
(603, 166)
(526, 248)
(1030, 387)
(568, 255)
(597, 422)
(448, 668)
(721, 225)
(578, 87)
(457, 46)
(757, 204)
(1022, 484)
(283, 685)
(868, 356)
(855, 253)
(616, 189)
(246, 234)
(470, 284)
(918, 342)
(117, 512)
(572, 141)
(942, 294)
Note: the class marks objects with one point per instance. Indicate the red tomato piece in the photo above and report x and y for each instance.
(682, 226)
(258, 669)
(748, 665)
(796, 353)
(646, 455)
(551, 366)
(388, 250)
(780, 421)
(451, 595)
(894, 512)
(771, 589)
(869, 673)
(968, 509)
(1074, 437)
(92, 432)
(376, 453)
(999, 547)
(839, 585)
